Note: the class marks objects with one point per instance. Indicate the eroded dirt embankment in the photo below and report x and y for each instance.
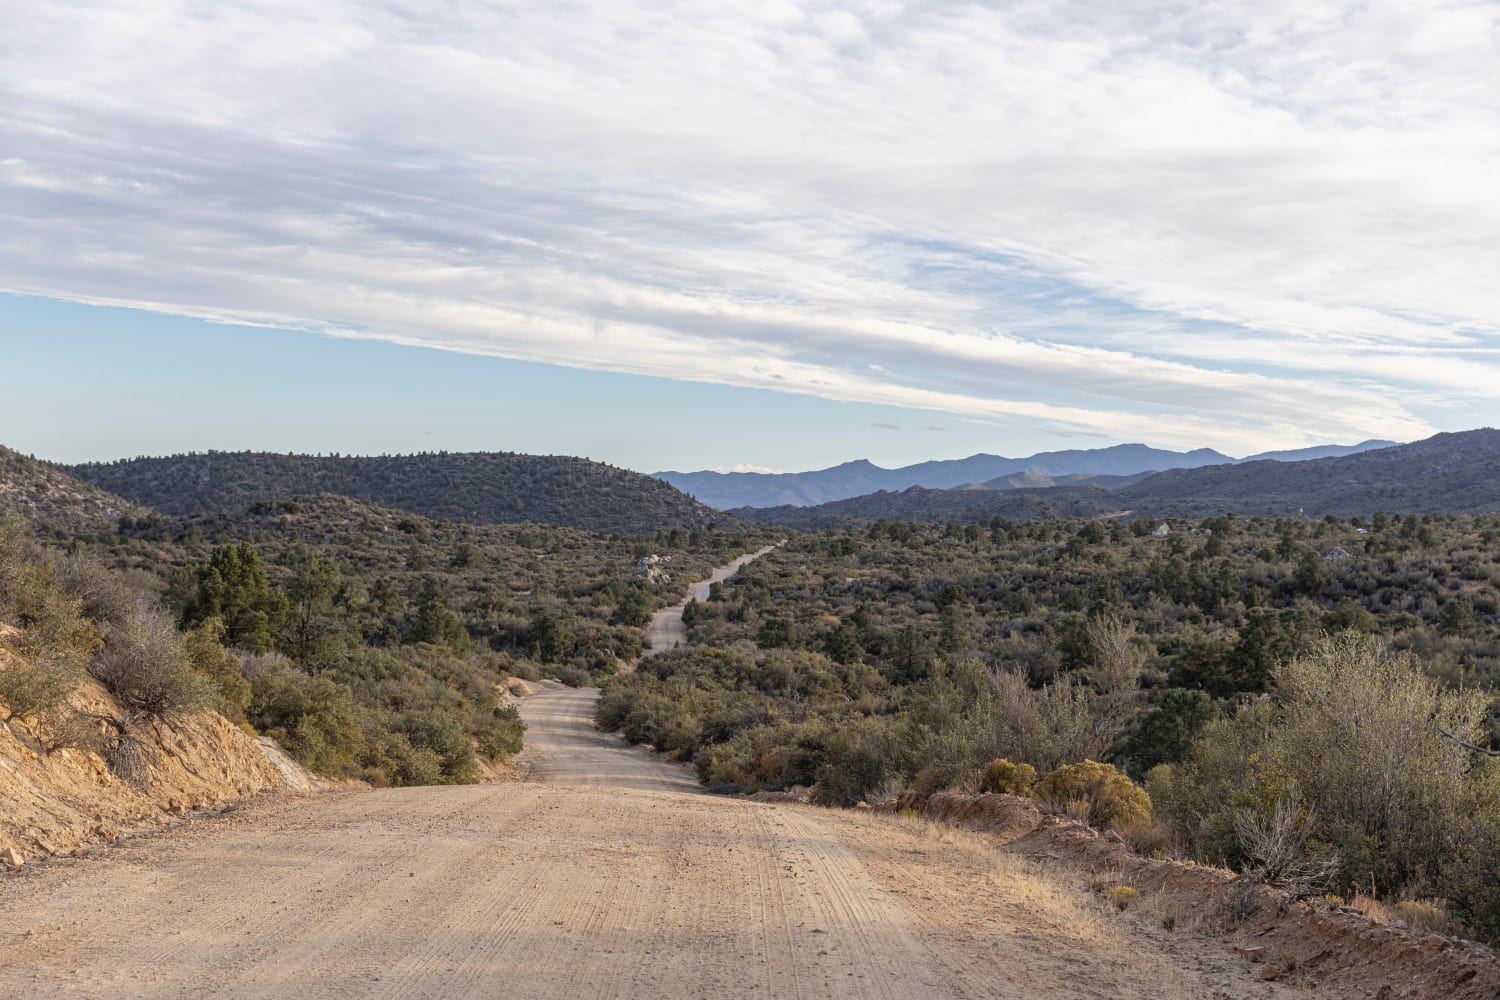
(59, 801)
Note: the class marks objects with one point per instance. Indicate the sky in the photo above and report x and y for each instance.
(768, 236)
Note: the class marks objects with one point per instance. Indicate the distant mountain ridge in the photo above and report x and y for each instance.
(1457, 473)
(727, 490)
(474, 487)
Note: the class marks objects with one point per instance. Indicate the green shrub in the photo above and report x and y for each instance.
(1107, 796)
(222, 668)
(388, 758)
(442, 730)
(853, 765)
(1002, 777)
(498, 731)
(312, 717)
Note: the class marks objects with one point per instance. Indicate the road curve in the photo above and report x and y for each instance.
(666, 630)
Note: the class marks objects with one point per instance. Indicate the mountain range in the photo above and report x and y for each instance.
(1455, 473)
(726, 490)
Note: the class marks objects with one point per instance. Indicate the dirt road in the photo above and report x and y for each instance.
(666, 629)
(606, 874)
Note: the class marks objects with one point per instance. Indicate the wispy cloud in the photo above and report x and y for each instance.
(1225, 225)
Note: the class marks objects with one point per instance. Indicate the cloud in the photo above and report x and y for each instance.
(743, 467)
(1224, 225)
(885, 426)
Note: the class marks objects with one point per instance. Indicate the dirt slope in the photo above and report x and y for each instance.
(60, 801)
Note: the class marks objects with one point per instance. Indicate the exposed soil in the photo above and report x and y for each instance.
(68, 798)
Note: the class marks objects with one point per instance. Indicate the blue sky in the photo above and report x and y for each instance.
(691, 235)
(90, 382)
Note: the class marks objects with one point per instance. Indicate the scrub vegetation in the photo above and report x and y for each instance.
(1307, 700)
(371, 643)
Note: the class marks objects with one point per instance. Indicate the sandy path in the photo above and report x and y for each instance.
(666, 630)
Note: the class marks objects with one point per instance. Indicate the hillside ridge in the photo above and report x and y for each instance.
(471, 487)
(1454, 472)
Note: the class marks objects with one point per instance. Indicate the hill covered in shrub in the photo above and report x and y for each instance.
(475, 488)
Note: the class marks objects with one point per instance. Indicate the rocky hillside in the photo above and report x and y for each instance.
(47, 497)
(478, 488)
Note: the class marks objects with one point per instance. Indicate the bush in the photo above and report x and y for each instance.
(1122, 896)
(30, 690)
(147, 665)
(1107, 797)
(311, 716)
(441, 730)
(1002, 777)
(1427, 916)
(389, 758)
(74, 731)
(498, 732)
(853, 765)
(222, 668)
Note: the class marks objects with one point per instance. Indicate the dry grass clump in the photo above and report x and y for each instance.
(1429, 916)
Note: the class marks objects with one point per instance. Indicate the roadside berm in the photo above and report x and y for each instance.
(1312, 943)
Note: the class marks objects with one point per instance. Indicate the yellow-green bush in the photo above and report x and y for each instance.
(1423, 915)
(1122, 896)
(1107, 796)
(1002, 777)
